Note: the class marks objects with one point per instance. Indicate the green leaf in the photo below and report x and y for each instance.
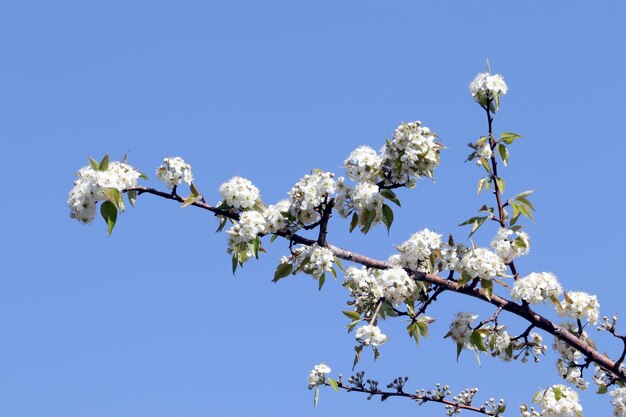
(339, 264)
(354, 222)
(487, 286)
(316, 397)
(94, 164)
(370, 216)
(602, 389)
(501, 184)
(509, 137)
(132, 197)
(235, 260)
(223, 221)
(357, 355)
(391, 196)
(477, 341)
(256, 243)
(423, 328)
(477, 223)
(143, 176)
(465, 278)
(189, 201)
(333, 384)
(504, 153)
(109, 214)
(481, 184)
(353, 315)
(282, 270)
(322, 280)
(104, 164)
(485, 165)
(114, 197)
(459, 349)
(387, 217)
(194, 190)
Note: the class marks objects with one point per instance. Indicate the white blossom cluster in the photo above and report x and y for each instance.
(566, 351)
(536, 345)
(318, 374)
(486, 86)
(567, 364)
(174, 171)
(274, 218)
(537, 287)
(363, 164)
(370, 335)
(508, 247)
(90, 185)
(484, 151)
(619, 402)
(308, 195)
(451, 255)
(250, 225)
(502, 340)
(367, 286)
(413, 152)
(461, 329)
(239, 193)
(313, 260)
(414, 252)
(571, 373)
(558, 401)
(366, 198)
(580, 305)
(482, 263)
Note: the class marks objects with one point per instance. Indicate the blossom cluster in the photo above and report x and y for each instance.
(415, 252)
(537, 287)
(558, 401)
(318, 374)
(619, 402)
(239, 193)
(461, 329)
(308, 194)
(413, 152)
(508, 247)
(486, 87)
(370, 335)
(368, 286)
(482, 263)
(580, 305)
(91, 185)
(174, 171)
(363, 164)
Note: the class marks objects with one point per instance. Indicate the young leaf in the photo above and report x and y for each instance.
(487, 286)
(194, 190)
(316, 397)
(109, 213)
(282, 270)
(104, 164)
(353, 315)
(322, 281)
(387, 217)
(477, 340)
(504, 153)
(235, 260)
(509, 137)
(391, 196)
(333, 384)
(132, 197)
(501, 184)
(354, 222)
(94, 164)
(189, 201)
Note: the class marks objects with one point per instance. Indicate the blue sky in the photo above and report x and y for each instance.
(151, 322)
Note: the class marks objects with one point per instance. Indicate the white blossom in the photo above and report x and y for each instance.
(509, 248)
(572, 373)
(461, 329)
(413, 152)
(558, 401)
(502, 340)
(580, 305)
(414, 252)
(537, 287)
(90, 185)
(370, 335)
(484, 151)
(239, 193)
(396, 285)
(565, 350)
(274, 218)
(366, 199)
(313, 260)
(486, 86)
(250, 225)
(318, 374)
(363, 164)
(174, 171)
(482, 263)
(619, 402)
(451, 256)
(309, 193)
(368, 286)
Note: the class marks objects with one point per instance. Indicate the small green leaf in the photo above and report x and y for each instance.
(485, 165)
(477, 341)
(109, 214)
(194, 190)
(322, 280)
(114, 197)
(602, 389)
(357, 355)
(189, 201)
(132, 197)
(235, 260)
(477, 223)
(501, 184)
(465, 278)
(370, 216)
(333, 384)
(391, 196)
(387, 217)
(459, 349)
(353, 315)
(487, 286)
(143, 176)
(339, 264)
(104, 163)
(94, 164)
(256, 243)
(354, 222)
(282, 270)
(509, 137)
(481, 184)
(504, 153)
(316, 397)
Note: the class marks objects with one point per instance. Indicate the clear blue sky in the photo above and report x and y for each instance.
(150, 322)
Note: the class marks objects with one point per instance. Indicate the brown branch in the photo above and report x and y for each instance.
(328, 211)
(522, 311)
(415, 397)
